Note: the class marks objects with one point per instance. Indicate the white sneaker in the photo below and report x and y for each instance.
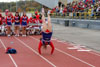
(42, 10)
(18, 35)
(23, 35)
(9, 35)
(49, 11)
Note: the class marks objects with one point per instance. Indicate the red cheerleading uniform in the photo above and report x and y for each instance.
(9, 20)
(46, 40)
(3, 19)
(37, 16)
(24, 20)
(0, 19)
(37, 21)
(40, 21)
(17, 20)
(31, 19)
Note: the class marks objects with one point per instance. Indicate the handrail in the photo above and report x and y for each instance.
(77, 15)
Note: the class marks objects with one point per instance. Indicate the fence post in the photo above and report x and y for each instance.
(80, 15)
(66, 23)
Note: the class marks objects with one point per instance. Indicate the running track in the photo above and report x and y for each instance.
(28, 55)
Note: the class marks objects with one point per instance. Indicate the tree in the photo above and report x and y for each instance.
(19, 10)
(27, 9)
(0, 10)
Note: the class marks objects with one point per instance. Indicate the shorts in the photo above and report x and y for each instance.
(24, 23)
(47, 36)
(9, 24)
(45, 42)
(37, 28)
(17, 24)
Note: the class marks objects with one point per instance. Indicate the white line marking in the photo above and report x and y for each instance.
(83, 50)
(36, 52)
(68, 54)
(61, 41)
(9, 54)
(79, 48)
(72, 48)
(53, 39)
(74, 57)
(94, 53)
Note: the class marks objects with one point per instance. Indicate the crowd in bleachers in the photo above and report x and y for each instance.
(89, 6)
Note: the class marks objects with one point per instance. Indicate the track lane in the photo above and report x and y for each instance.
(94, 52)
(5, 60)
(85, 56)
(24, 57)
(57, 56)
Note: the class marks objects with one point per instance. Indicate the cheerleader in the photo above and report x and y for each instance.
(46, 33)
(0, 23)
(24, 23)
(17, 23)
(9, 24)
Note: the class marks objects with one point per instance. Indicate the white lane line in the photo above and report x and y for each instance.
(94, 53)
(9, 54)
(79, 48)
(36, 52)
(68, 54)
(83, 50)
(74, 57)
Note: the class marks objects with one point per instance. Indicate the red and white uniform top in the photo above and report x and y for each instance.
(9, 19)
(24, 19)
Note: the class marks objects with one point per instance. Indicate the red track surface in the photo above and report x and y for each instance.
(28, 56)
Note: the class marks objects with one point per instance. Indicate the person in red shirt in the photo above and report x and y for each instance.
(40, 20)
(65, 11)
(0, 23)
(9, 24)
(37, 26)
(37, 15)
(31, 20)
(0, 19)
(3, 19)
(17, 23)
(24, 23)
(32, 26)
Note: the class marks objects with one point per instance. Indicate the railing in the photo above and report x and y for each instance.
(78, 15)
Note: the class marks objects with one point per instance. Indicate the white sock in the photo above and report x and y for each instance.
(49, 11)
(42, 10)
